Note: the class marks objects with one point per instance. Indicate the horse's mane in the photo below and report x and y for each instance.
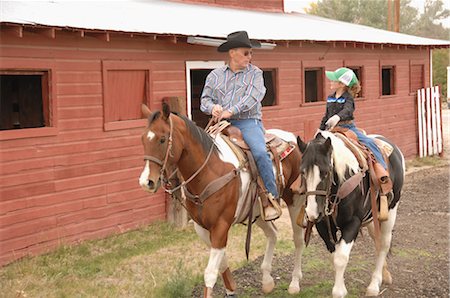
(343, 158)
(198, 133)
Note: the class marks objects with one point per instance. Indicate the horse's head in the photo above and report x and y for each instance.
(159, 152)
(317, 169)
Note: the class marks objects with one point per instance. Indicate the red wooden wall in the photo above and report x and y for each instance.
(78, 179)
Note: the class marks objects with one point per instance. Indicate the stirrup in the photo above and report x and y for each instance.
(383, 215)
(273, 210)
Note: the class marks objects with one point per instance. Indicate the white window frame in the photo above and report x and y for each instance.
(197, 65)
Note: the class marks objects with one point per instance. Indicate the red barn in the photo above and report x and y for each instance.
(74, 74)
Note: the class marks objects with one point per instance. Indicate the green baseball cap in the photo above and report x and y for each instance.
(344, 75)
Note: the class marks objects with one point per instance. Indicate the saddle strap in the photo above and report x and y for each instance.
(373, 200)
(213, 187)
(279, 176)
(350, 184)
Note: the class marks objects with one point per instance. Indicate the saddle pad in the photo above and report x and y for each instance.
(360, 155)
(385, 148)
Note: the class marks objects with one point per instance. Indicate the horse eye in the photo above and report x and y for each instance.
(162, 140)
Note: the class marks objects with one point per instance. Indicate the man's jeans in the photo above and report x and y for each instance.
(369, 142)
(253, 134)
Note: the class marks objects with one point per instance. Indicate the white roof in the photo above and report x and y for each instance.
(165, 17)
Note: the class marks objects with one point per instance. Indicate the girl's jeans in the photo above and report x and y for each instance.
(368, 142)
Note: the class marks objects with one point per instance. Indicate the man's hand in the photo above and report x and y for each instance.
(225, 115)
(216, 111)
(332, 122)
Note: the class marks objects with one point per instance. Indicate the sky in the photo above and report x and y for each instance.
(299, 5)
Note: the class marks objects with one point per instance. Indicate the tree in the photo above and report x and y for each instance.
(364, 12)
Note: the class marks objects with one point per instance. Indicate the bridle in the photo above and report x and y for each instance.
(330, 205)
(164, 178)
(159, 162)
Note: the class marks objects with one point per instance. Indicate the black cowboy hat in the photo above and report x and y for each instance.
(238, 39)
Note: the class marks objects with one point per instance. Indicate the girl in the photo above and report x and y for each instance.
(341, 105)
(340, 108)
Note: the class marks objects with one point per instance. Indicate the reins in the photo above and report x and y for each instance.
(211, 188)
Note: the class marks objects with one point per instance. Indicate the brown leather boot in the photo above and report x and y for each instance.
(273, 210)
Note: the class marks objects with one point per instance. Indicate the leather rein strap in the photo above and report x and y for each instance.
(211, 188)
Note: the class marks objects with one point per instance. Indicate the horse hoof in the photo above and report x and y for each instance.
(339, 293)
(294, 290)
(230, 296)
(387, 278)
(372, 292)
(268, 286)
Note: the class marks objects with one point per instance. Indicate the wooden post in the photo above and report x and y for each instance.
(176, 213)
(389, 15)
(397, 16)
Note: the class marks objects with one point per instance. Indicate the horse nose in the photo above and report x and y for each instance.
(151, 184)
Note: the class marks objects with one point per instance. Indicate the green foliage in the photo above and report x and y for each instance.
(364, 12)
(441, 59)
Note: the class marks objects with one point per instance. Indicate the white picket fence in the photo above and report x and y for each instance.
(430, 121)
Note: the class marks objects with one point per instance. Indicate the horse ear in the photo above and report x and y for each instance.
(328, 144)
(301, 144)
(166, 110)
(145, 110)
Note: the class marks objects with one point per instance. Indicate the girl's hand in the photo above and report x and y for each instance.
(331, 123)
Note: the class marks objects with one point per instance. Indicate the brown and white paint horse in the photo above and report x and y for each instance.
(174, 142)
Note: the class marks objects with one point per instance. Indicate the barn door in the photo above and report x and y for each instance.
(196, 73)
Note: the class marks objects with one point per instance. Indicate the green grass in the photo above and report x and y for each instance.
(93, 268)
(426, 161)
(411, 253)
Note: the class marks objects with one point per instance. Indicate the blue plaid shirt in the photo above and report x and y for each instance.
(240, 93)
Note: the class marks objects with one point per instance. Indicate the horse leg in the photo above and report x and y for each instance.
(381, 273)
(387, 279)
(270, 231)
(294, 286)
(340, 260)
(210, 271)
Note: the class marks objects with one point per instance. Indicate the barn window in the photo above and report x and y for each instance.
(270, 76)
(127, 91)
(417, 77)
(358, 70)
(387, 80)
(24, 100)
(126, 88)
(313, 84)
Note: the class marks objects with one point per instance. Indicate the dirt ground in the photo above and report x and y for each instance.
(419, 259)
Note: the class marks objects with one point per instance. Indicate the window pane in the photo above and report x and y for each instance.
(313, 85)
(21, 104)
(126, 91)
(358, 71)
(270, 83)
(387, 78)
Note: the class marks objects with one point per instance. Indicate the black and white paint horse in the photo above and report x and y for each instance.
(326, 164)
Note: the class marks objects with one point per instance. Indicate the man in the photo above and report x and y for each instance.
(235, 92)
